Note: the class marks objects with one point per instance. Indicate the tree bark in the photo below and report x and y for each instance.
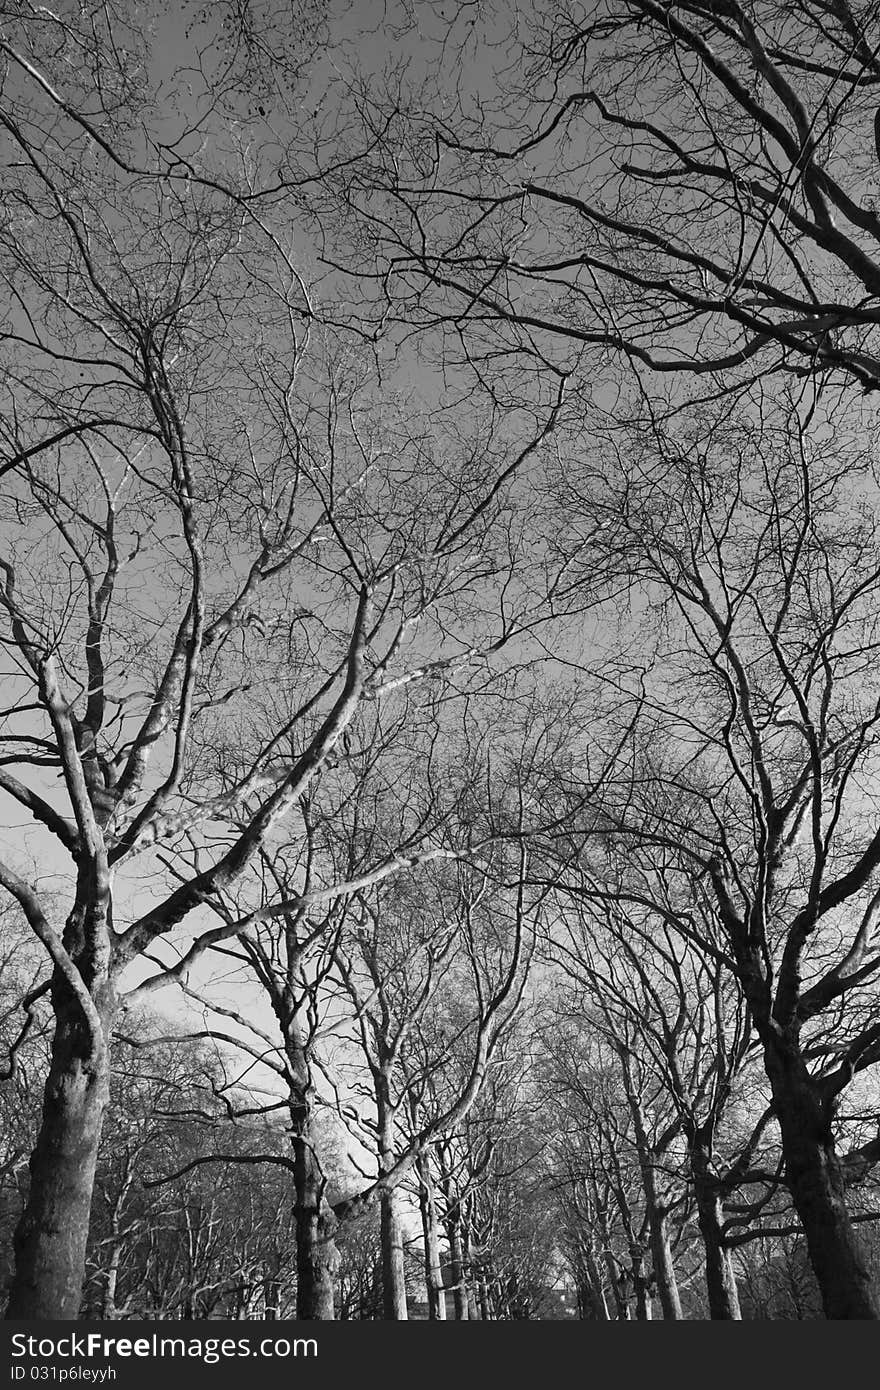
(51, 1236)
(271, 1297)
(661, 1252)
(316, 1253)
(474, 1314)
(467, 1265)
(109, 1309)
(815, 1180)
(433, 1267)
(591, 1291)
(620, 1304)
(485, 1303)
(315, 1250)
(390, 1228)
(393, 1271)
(456, 1266)
(664, 1268)
(641, 1289)
(721, 1290)
(111, 1281)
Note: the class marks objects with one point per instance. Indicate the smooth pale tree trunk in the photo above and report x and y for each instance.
(390, 1226)
(109, 1311)
(664, 1269)
(594, 1293)
(108, 1308)
(51, 1236)
(721, 1290)
(620, 1305)
(430, 1232)
(661, 1252)
(592, 1305)
(815, 1180)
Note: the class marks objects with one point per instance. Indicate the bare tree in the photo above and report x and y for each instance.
(403, 889)
(396, 965)
(758, 573)
(690, 193)
(191, 1248)
(197, 599)
(675, 1013)
(391, 966)
(694, 189)
(596, 1171)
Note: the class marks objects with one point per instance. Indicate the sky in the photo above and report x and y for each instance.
(357, 33)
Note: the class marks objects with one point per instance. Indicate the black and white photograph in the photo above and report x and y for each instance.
(439, 673)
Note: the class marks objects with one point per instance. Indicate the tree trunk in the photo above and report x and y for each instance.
(485, 1304)
(456, 1267)
(467, 1266)
(111, 1282)
(591, 1291)
(316, 1253)
(393, 1271)
(315, 1250)
(661, 1252)
(620, 1305)
(50, 1239)
(664, 1269)
(721, 1290)
(390, 1229)
(641, 1290)
(109, 1310)
(815, 1180)
(641, 1283)
(433, 1267)
(271, 1297)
